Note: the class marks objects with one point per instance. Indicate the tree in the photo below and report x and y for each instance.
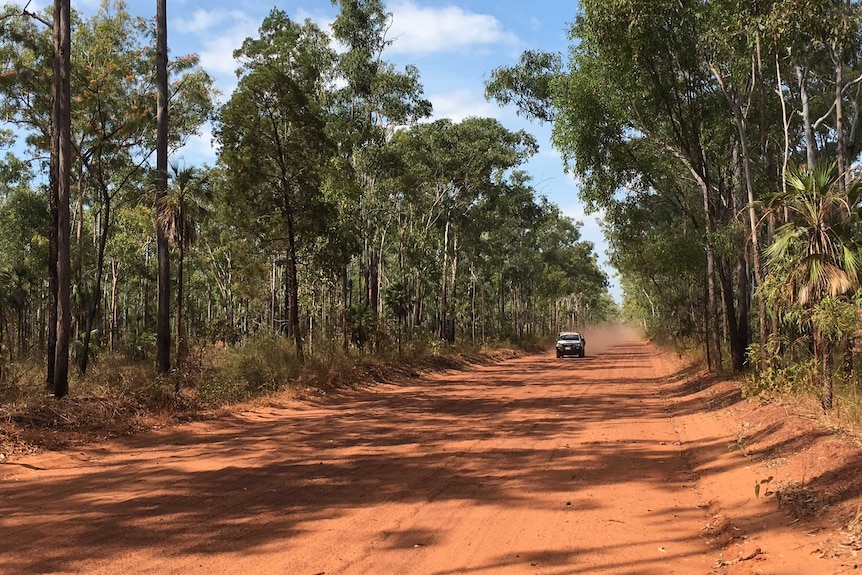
(456, 165)
(113, 122)
(374, 102)
(275, 144)
(61, 162)
(662, 98)
(815, 255)
(163, 321)
(24, 219)
(186, 204)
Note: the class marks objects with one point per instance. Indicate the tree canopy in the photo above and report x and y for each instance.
(336, 214)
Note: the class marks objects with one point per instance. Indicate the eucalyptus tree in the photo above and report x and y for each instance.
(275, 145)
(642, 230)
(113, 114)
(817, 47)
(61, 170)
(113, 128)
(452, 166)
(163, 322)
(733, 51)
(375, 100)
(637, 112)
(664, 93)
(23, 250)
(28, 103)
(55, 47)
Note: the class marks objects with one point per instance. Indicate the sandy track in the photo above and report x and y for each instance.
(607, 464)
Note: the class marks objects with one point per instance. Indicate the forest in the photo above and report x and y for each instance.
(338, 221)
(721, 139)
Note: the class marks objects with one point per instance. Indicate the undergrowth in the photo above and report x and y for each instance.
(120, 395)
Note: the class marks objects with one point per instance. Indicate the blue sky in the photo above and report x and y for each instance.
(454, 43)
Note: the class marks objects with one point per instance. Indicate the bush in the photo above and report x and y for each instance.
(261, 365)
(776, 376)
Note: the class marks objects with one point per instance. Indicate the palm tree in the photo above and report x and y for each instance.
(184, 207)
(815, 256)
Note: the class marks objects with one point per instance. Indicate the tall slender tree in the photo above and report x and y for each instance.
(276, 147)
(163, 313)
(61, 149)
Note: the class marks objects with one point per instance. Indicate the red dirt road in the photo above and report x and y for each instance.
(610, 464)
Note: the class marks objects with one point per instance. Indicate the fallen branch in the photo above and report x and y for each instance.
(740, 559)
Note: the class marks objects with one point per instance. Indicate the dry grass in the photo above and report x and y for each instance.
(120, 396)
(800, 501)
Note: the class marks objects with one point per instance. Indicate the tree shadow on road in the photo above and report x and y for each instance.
(238, 484)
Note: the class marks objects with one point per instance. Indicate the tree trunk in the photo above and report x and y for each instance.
(735, 331)
(740, 116)
(53, 286)
(78, 270)
(273, 294)
(785, 121)
(345, 306)
(810, 143)
(163, 318)
(768, 166)
(444, 283)
(61, 143)
(292, 279)
(450, 331)
(181, 340)
(713, 343)
(97, 286)
(839, 117)
(114, 308)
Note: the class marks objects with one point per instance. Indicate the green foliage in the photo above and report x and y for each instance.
(835, 319)
(669, 113)
(260, 365)
(332, 213)
(140, 345)
(790, 375)
(528, 84)
(362, 323)
(816, 254)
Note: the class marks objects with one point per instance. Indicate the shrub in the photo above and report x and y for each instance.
(262, 364)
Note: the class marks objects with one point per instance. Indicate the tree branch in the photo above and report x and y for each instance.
(34, 16)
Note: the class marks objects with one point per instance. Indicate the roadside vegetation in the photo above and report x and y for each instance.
(339, 231)
(721, 141)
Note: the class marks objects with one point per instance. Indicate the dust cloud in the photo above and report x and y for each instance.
(601, 337)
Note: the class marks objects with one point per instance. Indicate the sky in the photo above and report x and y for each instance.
(455, 44)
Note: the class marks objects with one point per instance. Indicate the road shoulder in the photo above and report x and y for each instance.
(777, 484)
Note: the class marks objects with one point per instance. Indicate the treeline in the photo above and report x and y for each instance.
(336, 214)
(720, 138)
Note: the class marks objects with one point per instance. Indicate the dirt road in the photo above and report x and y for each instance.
(610, 464)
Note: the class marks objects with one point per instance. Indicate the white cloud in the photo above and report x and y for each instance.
(462, 104)
(323, 21)
(217, 55)
(219, 33)
(199, 148)
(204, 20)
(417, 29)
